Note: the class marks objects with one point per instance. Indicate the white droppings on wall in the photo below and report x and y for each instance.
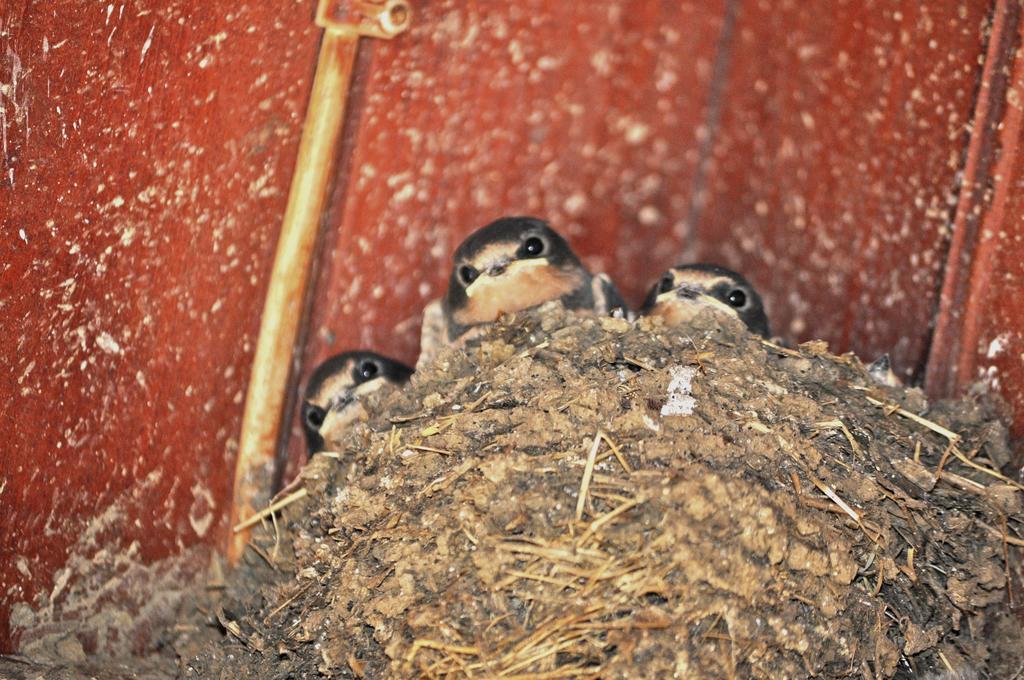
(200, 515)
(108, 344)
(989, 375)
(997, 346)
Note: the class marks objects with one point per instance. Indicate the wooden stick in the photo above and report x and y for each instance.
(588, 472)
(282, 310)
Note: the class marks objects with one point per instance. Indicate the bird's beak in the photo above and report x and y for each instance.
(341, 402)
(346, 408)
(693, 295)
(498, 267)
(684, 291)
(503, 267)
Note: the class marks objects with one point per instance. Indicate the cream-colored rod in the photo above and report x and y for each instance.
(282, 310)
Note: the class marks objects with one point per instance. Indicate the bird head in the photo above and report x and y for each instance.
(511, 264)
(332, 396)
(684, 291)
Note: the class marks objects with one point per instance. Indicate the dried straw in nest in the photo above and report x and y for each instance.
(584, 498)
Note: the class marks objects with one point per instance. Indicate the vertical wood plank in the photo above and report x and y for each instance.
(980, 322)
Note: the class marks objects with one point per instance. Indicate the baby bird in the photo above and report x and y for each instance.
(686, 290)
(516, 263)
(332, 398)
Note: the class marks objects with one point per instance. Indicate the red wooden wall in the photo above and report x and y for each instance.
(820, 149)
(834, 168)
(980, 322)
(147, 149)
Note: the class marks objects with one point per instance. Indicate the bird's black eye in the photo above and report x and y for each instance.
(737, 298)
(666, 284)
(367, 370)
(315, 416)
(532, 247)
(468, 274)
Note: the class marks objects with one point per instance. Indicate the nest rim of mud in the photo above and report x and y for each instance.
(587, 552)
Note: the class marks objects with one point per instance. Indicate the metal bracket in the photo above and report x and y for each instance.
(371, 18)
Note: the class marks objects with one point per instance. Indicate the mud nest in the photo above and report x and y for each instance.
(580, 497)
